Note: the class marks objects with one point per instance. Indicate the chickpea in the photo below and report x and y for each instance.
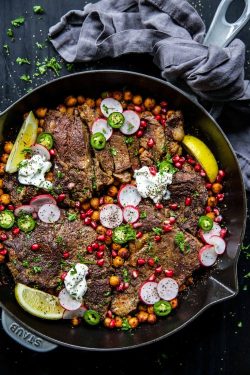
(70, 110)
(70, 101)
(1, 192)
(4, 158)
(94, 203)
(1, 183)
(95, 216)
(118, 262)
(137, 100)
(41, 112)
(141, 150)
(61, 108)
(8, 146)
(107, 322)
(150, 309)
(112, 191)
(2, 168)
(98, 102)
(41, 122)
(118, 322)
(174, 303)
(152, 319)
(133, 322)
(116, 246)
(108, 199)
(100, 229)
(5, 199)
(212, 201)
(128, 95)
(114, 280)
(170, 113)
(211, 215)
(156, 110)
(117, 95)
(108, 240)
(216, 187)
(86, 205)
(75, 321)
(142, 307)
(49, 176)
(80, 99)
(39, 130)
(90, 102)
(2, 258)
(149, 103)
(123, 253)
(142, 316)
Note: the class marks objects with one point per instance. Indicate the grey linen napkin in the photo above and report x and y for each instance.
(171, 31)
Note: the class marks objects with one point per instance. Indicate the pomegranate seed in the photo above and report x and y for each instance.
(216, 211)
(139, 235)
(63, 275)
(167, 228)
(66, 255)
(101, 237)
(157, 238)
(151, 262)
(158, 206)
(120, 287)
(163, 122)
(99, 254)
(218, 219)
(219, 178)
(89, 249)
(95, 246)
(153, 170)
(221, 173)
(35, 247)
(158, 117)
(208, 186)
(188, 201)
(203, 173)
(77, 204)
(2, 207)
(150, 143)
(176, 158)
(135, 274)
(101, 200)
(137, 108)
(163, 104)
(182, 160)
(15, 231)
(87, 221)
(158, 270)
(102, 247)
(100, 262)
(11, 207)
(109, 314)
(173, 206)
(3, 252)
(61, 197)
(141, 261)
(109, 232)
(139, 133)
(191, 161)
(220, 197)
(197, 168)
(126, 285)
(3, 237)
(172, 219)
(143, 124)
(223, 232)
(52, 152)
(137, 225)
(152, 277)
(208, 209)
(89, 212)
(178, 165)
(93, 224)
(169, 273)
(82, 215)
(114, 254)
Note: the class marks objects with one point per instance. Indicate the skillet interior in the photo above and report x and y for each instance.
(219, 284)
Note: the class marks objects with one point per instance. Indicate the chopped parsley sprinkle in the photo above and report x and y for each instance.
(71, 217)
(70, 67)
(107, 293)
(25, 263)
(182, 243)
(10, 33)
(26, 78)
(40, 45)
(59, 174)
(59, 240)
(38, 9)
(125, 325)
(129, 140)
(6, 49)
(196, 194)
(113, 151)
(37, 269)
(46, 64)
(125, 275)
(21, 61)
(143, 215)
(73, 271)
(17, 22)
(157, 230)
(20, 189)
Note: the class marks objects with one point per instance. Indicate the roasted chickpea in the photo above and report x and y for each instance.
(212, 201)
(123, 253)
(152, 319)
(128, 96)
(211, 215)
(149, 103)
(112, 191)
(107, 322)
(5, 199)
(117, 95)
(108, 199)
(150, 309)
(41, 122)
(216, 187)
(170, 113)
(95, 216)
(1, 192)
(142, 316)
(70, 101)
(61, 108)
(94, 203)
(49, 176)
(133, 322)
(156, 110)
(39, 130)
(137, 100)
(8, 146)
(4, 158)
(41, 112)
(118, 262)
(174, 303)
(141, 150)
(80, 99)
(2, 258)
(114, 280)
(100, 229)
(90, 102)
(108, 240)
(75, 321)
(70, 110)
(1, 183)
(116, 246)
(98, 102)
(2, 168)
(118, 322)
(86, 205)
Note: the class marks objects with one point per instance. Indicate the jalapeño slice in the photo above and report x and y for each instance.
(116, 120)
(98, 141)
(7, 219)
(46, 140)
(26, 223)
(91, 317)
(162, 308)
(205, 223)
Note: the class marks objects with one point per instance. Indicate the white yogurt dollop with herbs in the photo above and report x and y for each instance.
(153, 186)
(32, 171)
(75, 281)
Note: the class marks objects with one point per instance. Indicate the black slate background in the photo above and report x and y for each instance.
(217, 342)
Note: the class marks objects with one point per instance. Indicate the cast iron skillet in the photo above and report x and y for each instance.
(210, 288)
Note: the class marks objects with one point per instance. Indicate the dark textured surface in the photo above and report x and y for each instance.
(215, 343)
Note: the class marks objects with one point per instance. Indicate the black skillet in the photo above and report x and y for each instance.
(210, 287)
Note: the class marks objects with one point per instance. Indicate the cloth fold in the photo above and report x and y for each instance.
(172, 32)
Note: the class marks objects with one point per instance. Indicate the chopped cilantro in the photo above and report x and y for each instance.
(107, 293)
(182, 243)
(40, 45)
(6, 49)
(156, 259)
(85, 261)
(129, 140)
(125, 275)
(25, 263)
(143, 215)
(21, 61)
(43, 66)
(70, 67)
(38, 9)
(73, 271)
(157, 230)
(37, 269)
(113, 151)
(26, 150)
(59, 174)
(17, 22)
(19, 189)
(26, 78)
(59, 240)
(94, 186)
(71, 216)
(196, 194)
(59, 284)
(37, 259)
(10, 33)
(125, 325)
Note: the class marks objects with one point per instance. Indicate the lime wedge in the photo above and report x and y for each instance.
(26, 138)
(202, 154)
(38, 303)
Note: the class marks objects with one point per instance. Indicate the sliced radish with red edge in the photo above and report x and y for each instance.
(78, 313)
(24, 209)
(110, 105)
(38, 149)
(215, 231)
(42, 199)
(49, 213)
(167, 288)
(128, 196)
(130, 214)
(111, 216)
(148, 293)
(207, 255)
(101, 126)
(131, 123)
(67, 302)
(219, 244)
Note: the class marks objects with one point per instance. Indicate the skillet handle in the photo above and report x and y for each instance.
(24, 337)
(221, 32)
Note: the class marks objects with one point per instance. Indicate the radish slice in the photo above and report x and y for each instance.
(148, 293)
(110, 105)
(131, 123)
(42, 199)
(111, 216)
(219, 244)
(24, 209)
(128, 196)
(38, 149)
(49, 213)
(70, 314)
(215, 231)
(101, 126)
(167, 288)
(67, 302)
(131, 214)
(207, 255)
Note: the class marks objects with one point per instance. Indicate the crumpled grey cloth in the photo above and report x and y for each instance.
(171, 31)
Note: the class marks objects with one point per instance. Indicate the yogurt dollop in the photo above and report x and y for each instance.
(32, 171)
(153, 186)
(75, 281)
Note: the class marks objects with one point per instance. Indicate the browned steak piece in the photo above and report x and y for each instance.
(150, 217)
(19, 194)
(120, 152)
(88, 115)
(174, 131)
(105, 160)
(133, 145)
(101, 178)
(73, 158)
(169, 257)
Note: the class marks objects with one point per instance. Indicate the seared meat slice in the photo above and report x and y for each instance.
(120, 152)
(19, 194)
(105, 160)
(101, 178)
(73, 159)
(88, 115)
(154, 131)
(174, 131)
(133, 150)
(150, 217)
(124, 177)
